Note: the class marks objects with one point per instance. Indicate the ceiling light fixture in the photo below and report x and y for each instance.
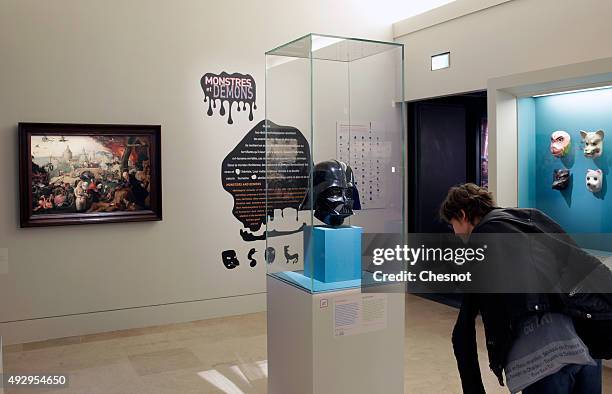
(573, 91)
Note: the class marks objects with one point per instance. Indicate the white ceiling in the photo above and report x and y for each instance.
(391, 11)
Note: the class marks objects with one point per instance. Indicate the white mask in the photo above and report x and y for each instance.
(594, 180)
(593, 143)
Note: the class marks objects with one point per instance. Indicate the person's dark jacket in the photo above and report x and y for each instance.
(577, 284)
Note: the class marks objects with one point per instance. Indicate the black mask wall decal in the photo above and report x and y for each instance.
(333, 192)
(230, 260)
(561, 179)
(270, 254)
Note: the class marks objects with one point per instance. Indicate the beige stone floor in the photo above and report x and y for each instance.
(225, 355)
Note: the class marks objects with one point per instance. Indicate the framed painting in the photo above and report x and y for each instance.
(89, 173)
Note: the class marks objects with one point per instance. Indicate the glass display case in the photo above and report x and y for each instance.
(334, 157)
(564, 163)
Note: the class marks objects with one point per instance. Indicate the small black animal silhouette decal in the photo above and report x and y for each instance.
(291, 257)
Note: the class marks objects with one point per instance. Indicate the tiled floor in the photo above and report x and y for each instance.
(226, 355)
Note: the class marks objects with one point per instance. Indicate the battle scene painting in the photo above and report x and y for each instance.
(92, 174)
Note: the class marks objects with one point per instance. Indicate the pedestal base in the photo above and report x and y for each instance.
(334, 342)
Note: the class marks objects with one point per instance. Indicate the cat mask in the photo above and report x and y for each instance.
(594, 180)
(593, 143)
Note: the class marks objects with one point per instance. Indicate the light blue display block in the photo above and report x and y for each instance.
(332, 254)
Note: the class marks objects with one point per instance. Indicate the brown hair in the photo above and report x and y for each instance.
(474, 200)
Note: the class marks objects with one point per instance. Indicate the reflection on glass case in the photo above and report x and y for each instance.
(563, 163)
(334, 157)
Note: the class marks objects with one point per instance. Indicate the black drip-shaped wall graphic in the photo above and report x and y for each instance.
(223, 88)
(244, 175)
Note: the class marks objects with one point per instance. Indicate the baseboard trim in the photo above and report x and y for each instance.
(96, 322)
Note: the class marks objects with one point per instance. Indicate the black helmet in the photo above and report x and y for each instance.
(333, 192)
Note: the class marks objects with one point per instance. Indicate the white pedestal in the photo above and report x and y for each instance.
(308, 352)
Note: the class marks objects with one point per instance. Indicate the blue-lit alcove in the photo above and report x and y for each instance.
(586, 215)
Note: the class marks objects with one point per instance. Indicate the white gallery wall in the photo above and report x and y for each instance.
(504, 37)
(493, 38)
(140, 62)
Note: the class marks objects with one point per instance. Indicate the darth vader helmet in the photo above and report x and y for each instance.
(333, 192)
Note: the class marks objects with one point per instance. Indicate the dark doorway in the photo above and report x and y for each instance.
(447, 145)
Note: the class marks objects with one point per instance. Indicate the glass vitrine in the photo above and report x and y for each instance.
(334, 157)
